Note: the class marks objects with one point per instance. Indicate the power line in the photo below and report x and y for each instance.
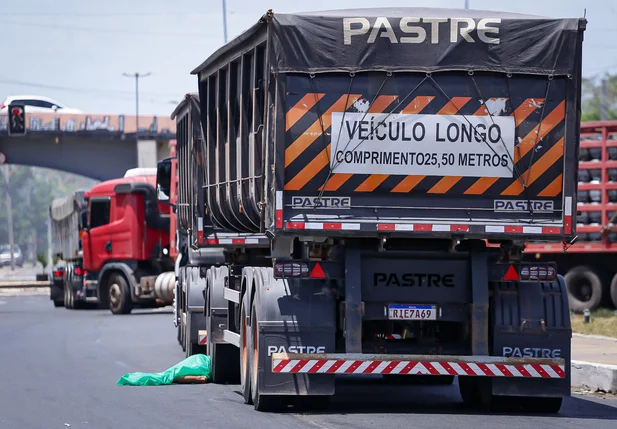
(101, 30)
(7, 81)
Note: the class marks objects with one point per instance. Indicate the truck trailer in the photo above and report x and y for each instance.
(124, 259)
(352, 166)
(189, 293)
(588, 265)
(66, 225)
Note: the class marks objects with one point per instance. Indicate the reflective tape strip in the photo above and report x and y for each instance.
(477, 369)
(202, 337)
(344, 226)
(279, 209)
(567, 211)
(230, 240)
(200, 230)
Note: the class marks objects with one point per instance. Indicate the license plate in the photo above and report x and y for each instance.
(412, 312)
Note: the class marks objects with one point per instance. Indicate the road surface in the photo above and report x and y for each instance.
(59, 368)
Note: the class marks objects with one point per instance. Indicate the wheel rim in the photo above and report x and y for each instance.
(582, 290)
(114, 295)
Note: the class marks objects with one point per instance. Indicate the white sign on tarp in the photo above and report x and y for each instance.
(427, 145)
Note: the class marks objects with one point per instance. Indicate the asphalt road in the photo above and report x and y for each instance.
(59, 368)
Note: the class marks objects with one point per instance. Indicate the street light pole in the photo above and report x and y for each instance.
(9, 212)
(137, 75)
(466, 4)
(225, 20)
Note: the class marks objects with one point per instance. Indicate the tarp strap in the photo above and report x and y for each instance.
(533, 150)
(490, 114)
(465, 117)
(323, 187)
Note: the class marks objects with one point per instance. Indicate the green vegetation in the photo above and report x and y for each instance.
(42, 259)
(592, 98)
(32, 191)
(602, 322)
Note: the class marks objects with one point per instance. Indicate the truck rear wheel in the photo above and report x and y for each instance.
(68, 296)
(260, 402)
(584, 288)
(182, 332)
(245, 359)
(119, 295)
(538, 404)
(224, 359)
(191, 348)
(477, 393)
(58, 303)
(614, 291)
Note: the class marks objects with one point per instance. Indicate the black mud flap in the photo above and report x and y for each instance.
(294, 317)
(532, 320)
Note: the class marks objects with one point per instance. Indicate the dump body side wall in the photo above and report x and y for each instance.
(66, 233)
(233, 118)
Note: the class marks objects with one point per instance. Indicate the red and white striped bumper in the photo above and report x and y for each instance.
(477, 366)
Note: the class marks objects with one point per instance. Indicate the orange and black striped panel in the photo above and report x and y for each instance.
(538, 154)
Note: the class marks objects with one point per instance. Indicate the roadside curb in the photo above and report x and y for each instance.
(595, 337)
(23, 284)
(23, 291)
(594, 376)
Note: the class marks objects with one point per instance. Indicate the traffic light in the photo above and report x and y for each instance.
(17, 120)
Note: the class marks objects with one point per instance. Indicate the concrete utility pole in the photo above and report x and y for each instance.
(136, 75)
(225, 20)
(603, 114)
(9, 211)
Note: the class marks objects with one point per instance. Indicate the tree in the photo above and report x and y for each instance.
(592, 98)
(32, 191)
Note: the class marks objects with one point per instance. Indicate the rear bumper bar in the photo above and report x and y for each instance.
(474, 366)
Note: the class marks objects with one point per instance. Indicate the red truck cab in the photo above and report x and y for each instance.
(126, 243)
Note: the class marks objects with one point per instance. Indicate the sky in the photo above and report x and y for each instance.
(76, 51)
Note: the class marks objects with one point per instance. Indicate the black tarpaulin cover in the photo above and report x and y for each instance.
(421, 39)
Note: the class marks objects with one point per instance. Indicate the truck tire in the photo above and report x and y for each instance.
(75, 303)
(614, 291)
(191, 348)
(245, 359)
(584, 288)
(262, 403)
(119, 295)
(58, 303)
(476, 393)
(68, 296)
(224, 358)
(182, 331)
(470, 392)
(537, 404)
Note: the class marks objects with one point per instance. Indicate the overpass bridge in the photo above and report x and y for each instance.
(97, 146)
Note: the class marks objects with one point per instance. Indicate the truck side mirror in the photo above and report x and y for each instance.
(163, 180)
(83, 219)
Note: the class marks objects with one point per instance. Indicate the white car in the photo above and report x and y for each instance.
(37, 104)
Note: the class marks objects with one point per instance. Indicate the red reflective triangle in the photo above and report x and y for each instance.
(511, 274)
(318, 272)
